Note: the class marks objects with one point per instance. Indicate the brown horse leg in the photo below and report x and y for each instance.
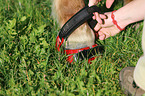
(63, 10)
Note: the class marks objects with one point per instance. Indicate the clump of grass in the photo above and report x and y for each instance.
(30, 65)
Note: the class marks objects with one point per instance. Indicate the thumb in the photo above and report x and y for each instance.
(92, 2)
(109, 3)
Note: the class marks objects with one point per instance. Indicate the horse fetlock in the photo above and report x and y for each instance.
(62, 11)
(81, 37)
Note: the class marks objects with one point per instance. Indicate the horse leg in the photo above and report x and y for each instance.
(63, 10)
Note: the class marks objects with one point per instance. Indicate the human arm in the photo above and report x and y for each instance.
(130, 13)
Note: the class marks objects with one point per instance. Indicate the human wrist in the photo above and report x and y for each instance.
(121, 19)
(115, 22)
(130, 13)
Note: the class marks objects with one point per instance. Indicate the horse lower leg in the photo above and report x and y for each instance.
(63, 10)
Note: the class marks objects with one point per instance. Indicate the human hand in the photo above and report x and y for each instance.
(108, 28)
(109, 3)
(106, 32)
(95, 2)
(98, 16)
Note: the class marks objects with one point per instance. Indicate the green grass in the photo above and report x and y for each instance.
(30, 65)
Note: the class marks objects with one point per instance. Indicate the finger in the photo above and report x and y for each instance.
(92, 2)
(97, 27)
(109, 3)
(100, 33)
(94, 17)
(102, 37)
(102, 16)
(98, 17)
(106, 33)
(103, 34)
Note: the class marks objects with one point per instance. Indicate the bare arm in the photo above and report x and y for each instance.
(130, 13)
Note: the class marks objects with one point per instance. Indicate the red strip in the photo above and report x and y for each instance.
(91, 59)
(72, 51)
(94, 45)
(59, 43)
(70, 59)
(115, 22)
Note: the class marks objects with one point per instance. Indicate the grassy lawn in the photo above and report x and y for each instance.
(30, 65)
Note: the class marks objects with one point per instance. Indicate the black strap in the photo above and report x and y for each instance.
(78, 19)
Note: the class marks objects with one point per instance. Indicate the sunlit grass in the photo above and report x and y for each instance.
(30, 65)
